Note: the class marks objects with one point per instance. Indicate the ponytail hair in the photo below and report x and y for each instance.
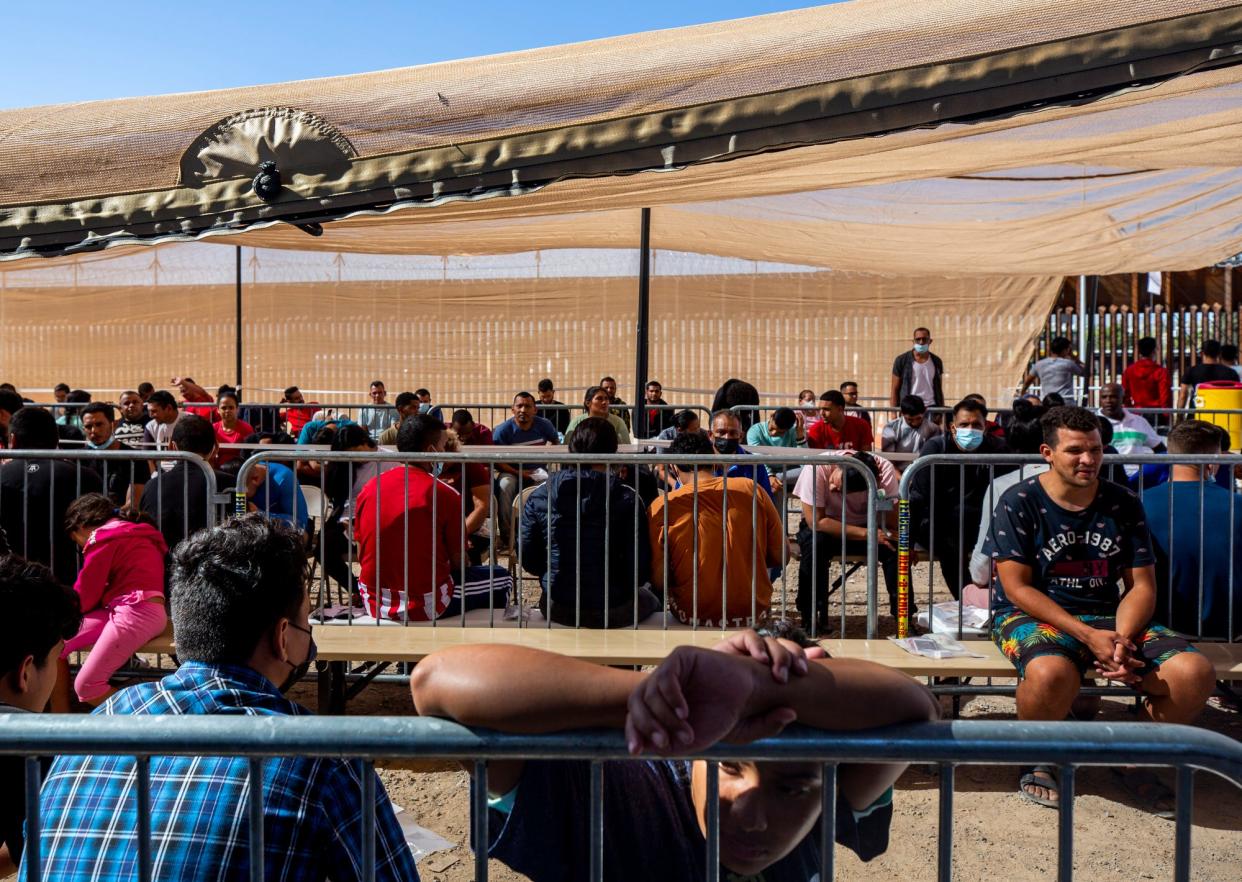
(94, 510)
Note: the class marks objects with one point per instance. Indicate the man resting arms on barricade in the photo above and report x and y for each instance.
(748, 688)
(1061, 541)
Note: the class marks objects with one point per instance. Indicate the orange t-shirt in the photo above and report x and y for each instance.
(740, 553)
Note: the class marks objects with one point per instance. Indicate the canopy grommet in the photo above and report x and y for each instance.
(267, 183)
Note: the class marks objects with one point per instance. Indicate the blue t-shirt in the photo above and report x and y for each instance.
(758, 474)
(285, 494)
(1076, 557)
(651, 831)
(541, 431)
(311, 429)
(1179, 589)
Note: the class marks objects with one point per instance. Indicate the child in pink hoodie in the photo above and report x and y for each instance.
(121, 588)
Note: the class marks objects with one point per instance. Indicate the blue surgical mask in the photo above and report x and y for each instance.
(437, 469)
(424, 408)
(968, 439)
(920, 348)
(93, 446)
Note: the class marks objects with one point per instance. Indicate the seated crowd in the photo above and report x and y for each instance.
(713, 563)
(1084, 578)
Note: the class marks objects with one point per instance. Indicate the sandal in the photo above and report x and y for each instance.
(1147, 790)
(1224, 699)
(1045, 778)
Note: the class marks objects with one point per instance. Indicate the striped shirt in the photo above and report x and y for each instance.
(312, 818)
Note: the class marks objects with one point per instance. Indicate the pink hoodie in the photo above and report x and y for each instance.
(121, 558)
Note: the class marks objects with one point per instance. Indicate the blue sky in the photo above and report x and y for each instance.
(58, 51)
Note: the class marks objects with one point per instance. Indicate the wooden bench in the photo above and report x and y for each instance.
(383, 645)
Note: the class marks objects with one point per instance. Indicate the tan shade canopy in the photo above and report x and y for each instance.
(1025, 137)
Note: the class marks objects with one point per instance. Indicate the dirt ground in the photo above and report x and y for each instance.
(996, 831)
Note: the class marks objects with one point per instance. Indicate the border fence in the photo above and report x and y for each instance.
(1114, 332)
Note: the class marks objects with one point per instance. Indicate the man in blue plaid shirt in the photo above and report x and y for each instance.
(240, 613)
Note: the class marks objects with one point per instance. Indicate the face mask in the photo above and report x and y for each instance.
(299, 671)
(93, 446)
(726, 445)
(920, 348)
(437, 469)
(424, 408)
(968, 439)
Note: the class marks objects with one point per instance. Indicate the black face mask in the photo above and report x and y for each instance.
(299, 671)
(726, 445)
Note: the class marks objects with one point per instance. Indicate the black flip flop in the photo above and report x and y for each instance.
(1041, 776)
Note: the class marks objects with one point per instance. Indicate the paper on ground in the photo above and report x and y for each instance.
(422, 841)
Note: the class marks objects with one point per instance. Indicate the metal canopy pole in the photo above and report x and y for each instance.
(644, 321)
(1084, 330)
(237, 343)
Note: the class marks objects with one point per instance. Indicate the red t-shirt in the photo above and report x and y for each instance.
(237, 436)
(481, 435)
(1146, 384)
(201, 406)
(475, 475)
(855, 434)
(406, 544)
(298, 417)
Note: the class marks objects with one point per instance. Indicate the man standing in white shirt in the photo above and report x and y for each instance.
(918, 372)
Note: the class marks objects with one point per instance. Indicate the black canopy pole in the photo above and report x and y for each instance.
(644, 321)
(237, 343)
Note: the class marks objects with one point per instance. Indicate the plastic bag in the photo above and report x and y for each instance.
(936, 646)
(944, 619)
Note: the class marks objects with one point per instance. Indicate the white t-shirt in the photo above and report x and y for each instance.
(162, 434)
(922, 385)
(1133, 434)
(812, 488)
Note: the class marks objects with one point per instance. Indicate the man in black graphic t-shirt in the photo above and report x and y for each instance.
(1061, 542)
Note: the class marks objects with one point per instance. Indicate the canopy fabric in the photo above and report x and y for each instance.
(1023, 137)
(480, 328)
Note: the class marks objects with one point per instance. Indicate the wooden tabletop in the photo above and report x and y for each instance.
(626, 646)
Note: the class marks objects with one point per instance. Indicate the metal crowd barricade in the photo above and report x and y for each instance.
(104, 463)
(497, 413)
(353, 470)
(1114, 467)
(1163, 419)
(880, 414)
(1069, 746)
(491, 414)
